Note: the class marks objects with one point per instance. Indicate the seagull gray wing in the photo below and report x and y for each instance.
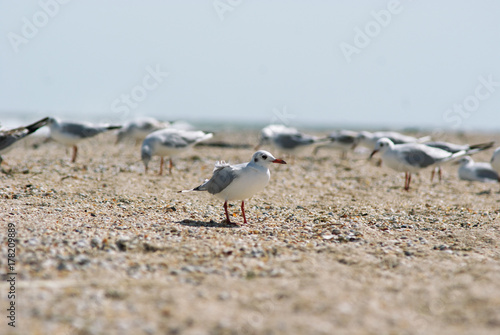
(223, 175)
(486, 173)
(418, 157)
(175, 140)
(290, 141)
(450, 147)
(346, 138)
(80, 130)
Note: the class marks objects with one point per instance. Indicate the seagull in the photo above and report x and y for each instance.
(483, 172)
(170, 142)
(411, 157)
(495, 160)
(241, 181)
(343, 140)
(139, 128)
(454, 148)
(268, 132)
(9, 137)
(369, 140)
(70, 133)
(285, 139)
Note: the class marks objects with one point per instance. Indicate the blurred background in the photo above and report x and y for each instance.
(431, 65)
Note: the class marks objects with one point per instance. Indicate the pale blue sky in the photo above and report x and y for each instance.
(262, 56)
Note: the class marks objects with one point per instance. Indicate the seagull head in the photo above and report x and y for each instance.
(52, 120)
(464, 160)
(146, 154)
(382, 145)
(264, 158)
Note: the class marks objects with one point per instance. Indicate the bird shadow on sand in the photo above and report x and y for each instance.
(208, 224)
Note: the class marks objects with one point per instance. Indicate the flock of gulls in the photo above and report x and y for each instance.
(399, 152)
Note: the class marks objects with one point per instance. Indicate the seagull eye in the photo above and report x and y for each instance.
(264, 157)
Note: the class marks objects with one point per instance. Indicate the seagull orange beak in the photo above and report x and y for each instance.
(278, 161)
(373, 153)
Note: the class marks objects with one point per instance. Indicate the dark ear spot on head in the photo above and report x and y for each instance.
(255, 159)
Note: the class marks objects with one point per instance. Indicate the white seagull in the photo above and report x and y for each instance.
(11, 136)
(343, 140)
(411, 157)
(495, 160)
(70, 133)
(483, 172)
(137, 129)
(241, 181)
(285, 139)
(170, 142)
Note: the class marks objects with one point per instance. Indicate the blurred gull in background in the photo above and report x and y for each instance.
(411, 157)
(70, 133)
(483, 172)
(343, 140)
(170, 142)
(137, 129)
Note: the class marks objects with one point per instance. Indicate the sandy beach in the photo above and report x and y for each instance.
(332, 246)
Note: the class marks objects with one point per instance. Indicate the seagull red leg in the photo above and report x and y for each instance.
(170, 166)
(75, 150)
(432, 174)
(243, 211)
(439, 173)
(407, 187)
(161, 166)
(227, 214)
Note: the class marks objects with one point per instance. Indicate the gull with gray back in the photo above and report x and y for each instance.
(240, 181)
(411, 157)
(171, 143)
(472, 171)
(71, 133)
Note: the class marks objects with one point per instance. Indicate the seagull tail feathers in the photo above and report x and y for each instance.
(479, 147)
(34, 126)
(197, 188)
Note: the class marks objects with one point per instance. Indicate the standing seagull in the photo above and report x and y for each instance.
(285, 139)
(454, 148)
(343, 140)
(170, 142)
(483, 172)
(241, 181)
(138, 129)
(9, 137)
(411, 157)
(70, 133)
